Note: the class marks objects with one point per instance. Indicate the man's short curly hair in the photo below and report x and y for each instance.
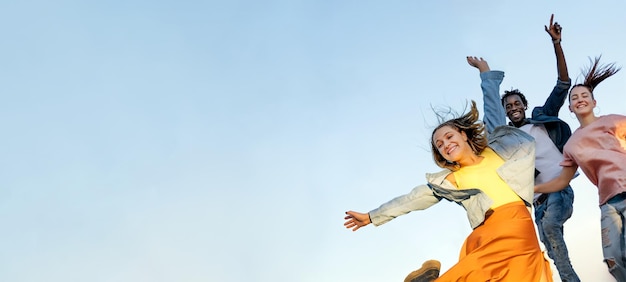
(511, 93)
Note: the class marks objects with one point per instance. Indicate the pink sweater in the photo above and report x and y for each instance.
(599, 149)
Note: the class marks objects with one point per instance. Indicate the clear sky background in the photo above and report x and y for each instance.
(224, 140)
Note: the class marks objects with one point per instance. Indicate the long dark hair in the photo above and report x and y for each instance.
(595, 74)
(473, 128)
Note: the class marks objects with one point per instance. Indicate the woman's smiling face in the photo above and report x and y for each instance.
(451, 143)
(581, 100)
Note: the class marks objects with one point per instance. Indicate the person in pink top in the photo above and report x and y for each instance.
(598, 147)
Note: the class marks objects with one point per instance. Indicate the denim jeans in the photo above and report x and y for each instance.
(612, 223)
(550, 215)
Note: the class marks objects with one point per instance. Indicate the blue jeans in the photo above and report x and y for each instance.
(612, 223)
(550, 215)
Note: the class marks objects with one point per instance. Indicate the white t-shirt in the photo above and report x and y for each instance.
(547, 155)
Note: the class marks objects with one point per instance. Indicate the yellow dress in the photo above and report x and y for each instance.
(505, 246)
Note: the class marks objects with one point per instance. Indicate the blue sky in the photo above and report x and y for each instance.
(224, 140)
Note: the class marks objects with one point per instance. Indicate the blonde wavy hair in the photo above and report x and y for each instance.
(468, 123)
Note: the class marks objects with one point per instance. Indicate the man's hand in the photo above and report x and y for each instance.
(554, 30)
(478, 63)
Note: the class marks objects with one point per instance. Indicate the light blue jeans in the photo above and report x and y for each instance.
(612, 224)
(550, 215)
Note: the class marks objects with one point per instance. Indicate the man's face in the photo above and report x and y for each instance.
(515, 109)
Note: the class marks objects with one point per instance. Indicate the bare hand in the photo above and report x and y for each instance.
(554, 29)
(356, 220)
(478, 63)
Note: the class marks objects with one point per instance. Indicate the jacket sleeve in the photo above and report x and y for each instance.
(494, 114)
(555, 101)
(420, 198)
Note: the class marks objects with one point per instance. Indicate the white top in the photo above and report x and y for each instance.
(547, 155)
